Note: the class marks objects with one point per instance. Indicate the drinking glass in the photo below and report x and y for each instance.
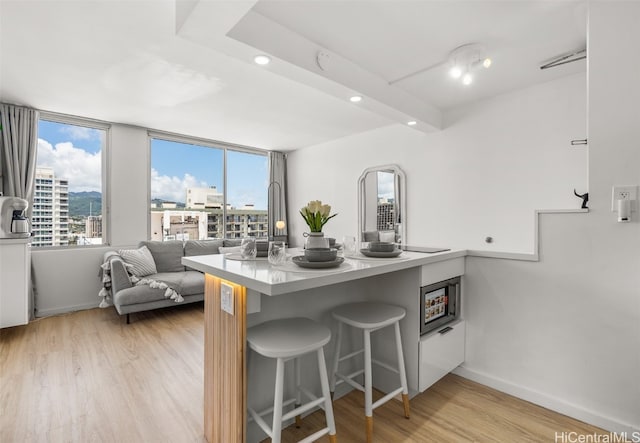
(248, 249)
(277, 253)
(349, 245)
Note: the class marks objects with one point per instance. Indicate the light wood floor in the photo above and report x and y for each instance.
(89, 377)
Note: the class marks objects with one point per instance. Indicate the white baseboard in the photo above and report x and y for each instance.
(547, 401)
(65, 309)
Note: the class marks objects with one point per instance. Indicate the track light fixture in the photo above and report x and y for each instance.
(465, 59)
(462, 62)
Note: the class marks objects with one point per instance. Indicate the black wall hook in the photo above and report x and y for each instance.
(584, 197)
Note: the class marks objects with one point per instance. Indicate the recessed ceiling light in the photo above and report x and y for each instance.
(261, 59)
(355, 99)
(486, 62)
(412, 123)
(467, 79)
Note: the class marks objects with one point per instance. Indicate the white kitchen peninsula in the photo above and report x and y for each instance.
(254, 291)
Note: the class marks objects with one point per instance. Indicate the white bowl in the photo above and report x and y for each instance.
(320, 254)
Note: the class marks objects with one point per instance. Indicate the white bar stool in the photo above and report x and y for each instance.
(369, 317)
(284, 340)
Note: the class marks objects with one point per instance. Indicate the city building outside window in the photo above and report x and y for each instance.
(386, 202)
(190, 199)
(68, 198)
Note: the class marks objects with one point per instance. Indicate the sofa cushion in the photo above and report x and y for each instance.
(229, 242)
(387, 236)
(137, 294)
(370, 236)
(140, 260)
(167, 254)
(193, 283)
(202, 247)
(185, 282)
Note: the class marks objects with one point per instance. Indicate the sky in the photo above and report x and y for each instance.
(74, 152)
(386, 185)
(177, 166)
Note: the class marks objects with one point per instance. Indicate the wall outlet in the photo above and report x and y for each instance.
(623, 193)
(226, 298)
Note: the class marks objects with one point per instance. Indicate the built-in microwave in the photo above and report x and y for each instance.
(439, 304)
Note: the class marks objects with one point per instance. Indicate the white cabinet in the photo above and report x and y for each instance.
(15, 273)
(442, 270)
(440, 352)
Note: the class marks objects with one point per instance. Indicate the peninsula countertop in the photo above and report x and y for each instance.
(263, 277)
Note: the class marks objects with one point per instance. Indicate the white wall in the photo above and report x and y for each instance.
(565, 332)
(484, 175)
(129, 190)
(67, 279)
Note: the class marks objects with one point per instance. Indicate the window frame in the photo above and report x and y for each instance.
(206, 143)
(105, 173)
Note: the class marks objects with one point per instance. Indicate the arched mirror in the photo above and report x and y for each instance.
(381, 205)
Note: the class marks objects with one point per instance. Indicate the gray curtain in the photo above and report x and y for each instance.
(18, 151)
(278, 195)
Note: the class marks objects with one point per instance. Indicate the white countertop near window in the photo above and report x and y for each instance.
(261, 276)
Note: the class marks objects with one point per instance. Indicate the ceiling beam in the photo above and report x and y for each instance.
(234, 29)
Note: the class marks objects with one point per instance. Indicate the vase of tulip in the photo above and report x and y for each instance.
(316, 215)
(315, 240)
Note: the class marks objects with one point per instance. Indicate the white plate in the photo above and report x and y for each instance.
(377, 254)
(301, 261)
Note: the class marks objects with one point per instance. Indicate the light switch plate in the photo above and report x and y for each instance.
(226, 298)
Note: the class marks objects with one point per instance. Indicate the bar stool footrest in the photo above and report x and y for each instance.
(348, 379)
(315, 436)
(269, 410)
(263, 424)
(387, 397)
(311, 396)
(386, 366)
(351, 355)
(302, 409)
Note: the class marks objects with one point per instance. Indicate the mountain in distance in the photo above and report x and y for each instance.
(159, 202)
(80, 203)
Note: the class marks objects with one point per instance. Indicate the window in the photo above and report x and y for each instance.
(247, 181)
(68, 198)
(190, 199)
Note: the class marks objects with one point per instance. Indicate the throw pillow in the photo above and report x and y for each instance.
(166, 254)
(141, 261)
(202, 247)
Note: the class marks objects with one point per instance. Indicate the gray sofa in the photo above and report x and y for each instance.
(128, 297)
